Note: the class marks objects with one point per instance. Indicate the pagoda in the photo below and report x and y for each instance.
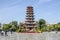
(29, 22)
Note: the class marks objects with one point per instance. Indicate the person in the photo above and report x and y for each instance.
(2, 33)
(11, 30)
(6, 33)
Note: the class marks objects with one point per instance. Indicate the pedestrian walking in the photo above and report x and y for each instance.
(2, 33)
(6, 33)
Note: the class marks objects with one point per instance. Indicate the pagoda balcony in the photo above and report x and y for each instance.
(30, 14)
(30, 26)
(29, 7)
(29, 11)
(29, 17)
(29, 21)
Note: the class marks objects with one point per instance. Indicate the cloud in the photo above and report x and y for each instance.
(42, 2)
(58, 3)
(45, 0)
(10, 4)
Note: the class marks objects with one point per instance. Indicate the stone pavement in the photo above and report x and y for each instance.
(32, 36)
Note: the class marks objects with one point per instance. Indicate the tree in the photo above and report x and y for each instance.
(58, 23)
(15, 23)
(42, 23)
(6, 27)
(44, 29)
(18, 29)
(13, 28)
(58, 27)
(51, 28)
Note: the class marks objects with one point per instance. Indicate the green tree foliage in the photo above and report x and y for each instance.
(41, 23)
(58, 23)
(54, 27)
(44, 29)
(6, 26)
(13, 28)
(50, 28)
(58, 27)
(15, 23)
(18, 29)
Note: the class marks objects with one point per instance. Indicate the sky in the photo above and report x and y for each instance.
(15, 10)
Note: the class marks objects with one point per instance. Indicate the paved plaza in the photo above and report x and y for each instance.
(31, 36)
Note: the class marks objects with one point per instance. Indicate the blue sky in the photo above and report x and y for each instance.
(16, 10)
